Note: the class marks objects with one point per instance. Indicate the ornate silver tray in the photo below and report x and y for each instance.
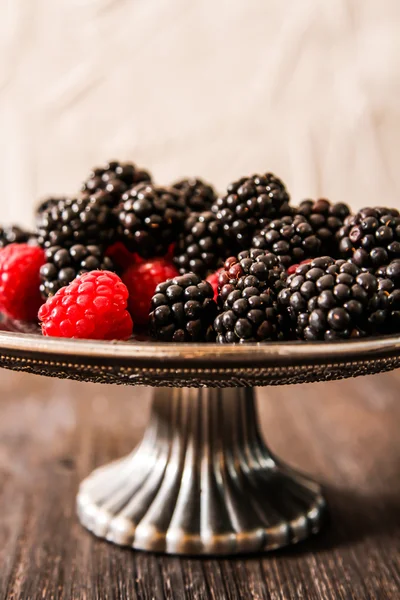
(202, 481)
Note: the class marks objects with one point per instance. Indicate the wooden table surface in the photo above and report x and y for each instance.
(53, 433)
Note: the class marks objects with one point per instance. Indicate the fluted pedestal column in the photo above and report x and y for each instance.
(202, 481)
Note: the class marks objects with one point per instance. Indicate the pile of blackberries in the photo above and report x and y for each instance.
(250, 265)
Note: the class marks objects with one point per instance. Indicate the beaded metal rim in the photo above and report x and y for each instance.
(146, 363)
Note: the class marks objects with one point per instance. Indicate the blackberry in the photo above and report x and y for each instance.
(87, 220)
(49, 202)
(250, 313)
(250, 203)
(265, 266)
(63, 265)
(390, 271)
(150, 219)
(183, 310)
(116, 178)
(329, 300)
(291, 238)
(385, 319)
(326, 219)
(15, 235)
(197, 195)
(202, 248)
(371, 237)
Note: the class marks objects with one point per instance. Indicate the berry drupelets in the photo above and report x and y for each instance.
(309, 233)
(49, 202)
(263, 265)
(116, 178)
(15, 235)
(201, 248)
(197, 195)
(141, 280)
(63, 265)
(248, 287)
(19, 281)
(151, 219)
(371, 238)
(250, 203)
(325, 218)
(93, 306)
(213, 280)
(86, 220)
(386, 318)
(183, 310)
(329, 300)
(291, 238)
(249, 314)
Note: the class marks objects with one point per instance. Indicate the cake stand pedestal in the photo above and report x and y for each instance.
(202, 481)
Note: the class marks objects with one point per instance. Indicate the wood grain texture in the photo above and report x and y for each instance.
(220, 89)
(53, 433)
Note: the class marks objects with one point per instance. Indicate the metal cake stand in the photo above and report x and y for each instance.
(202, 481)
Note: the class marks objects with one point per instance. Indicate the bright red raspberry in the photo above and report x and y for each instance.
(213, 279)
(141, 280)
(19, 281)
(93, 306)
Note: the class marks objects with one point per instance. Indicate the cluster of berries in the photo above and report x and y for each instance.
(184, 265)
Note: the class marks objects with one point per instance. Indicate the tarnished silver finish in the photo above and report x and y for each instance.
(197, 365)
(201, 482)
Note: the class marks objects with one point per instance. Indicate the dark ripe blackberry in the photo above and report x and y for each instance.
(326, 219)
(329, 300)
(183, 310)
(249, 313)
(201, 248)
(390, 271)
(116, 178)
(291, 238)
(197, 195)
(87, 220)
(15, 235)
(49, 202)
(151, 218)
(249, 205)
(63, 265)
(371, 237)
(265, 266)
(385, 318)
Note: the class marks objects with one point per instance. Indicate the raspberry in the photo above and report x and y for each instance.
(121, 257)
(19, 281)
(141, 280)
(64, 265)
(213, 279)
(93, 307)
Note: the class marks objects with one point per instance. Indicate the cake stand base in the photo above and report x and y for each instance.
(202, 481)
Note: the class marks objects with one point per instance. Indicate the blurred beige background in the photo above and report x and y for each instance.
(306, 88)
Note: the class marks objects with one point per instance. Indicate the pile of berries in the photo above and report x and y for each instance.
(178, 263)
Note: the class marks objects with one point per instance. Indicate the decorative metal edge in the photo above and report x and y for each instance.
(263, 353)
(199, 376)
